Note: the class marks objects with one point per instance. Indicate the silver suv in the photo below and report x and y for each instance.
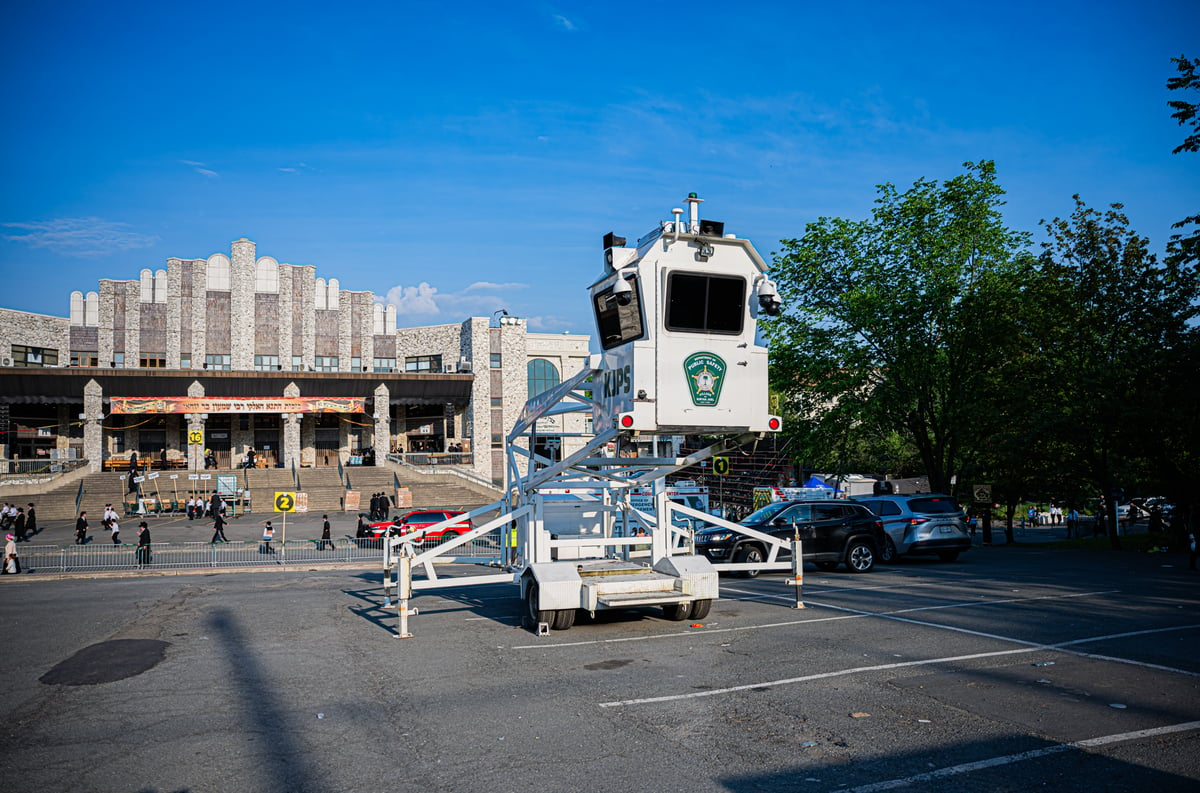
(920, 524)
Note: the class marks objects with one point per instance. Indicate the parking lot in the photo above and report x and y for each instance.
(1011, 669)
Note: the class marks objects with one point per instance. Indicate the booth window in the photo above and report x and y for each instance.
(703, 303)
(619, 324)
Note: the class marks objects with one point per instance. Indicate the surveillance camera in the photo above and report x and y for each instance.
(623, 292)
(768, 297)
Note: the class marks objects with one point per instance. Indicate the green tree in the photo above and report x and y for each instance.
(894, 326)
(1186, 246)
(1106, 323)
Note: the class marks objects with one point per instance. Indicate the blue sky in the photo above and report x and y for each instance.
(458, 159)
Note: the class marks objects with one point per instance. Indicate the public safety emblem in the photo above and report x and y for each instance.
(705, 375)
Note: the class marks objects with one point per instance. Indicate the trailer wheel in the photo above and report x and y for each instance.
(563, 619)
(700, 609)
(535, 614)
(677, 612)
(749, 554)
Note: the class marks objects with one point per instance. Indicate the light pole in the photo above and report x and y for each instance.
(500, 312)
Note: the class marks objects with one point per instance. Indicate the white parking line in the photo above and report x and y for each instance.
(1033, 754)
(1033, 647)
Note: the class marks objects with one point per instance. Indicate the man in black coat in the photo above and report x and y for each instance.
(31, 520)
(218, 527)
(385, 506)
(143, 544)
(81, 528)
(374, 506)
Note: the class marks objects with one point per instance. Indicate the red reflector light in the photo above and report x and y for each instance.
(773, 423)
(627, 421)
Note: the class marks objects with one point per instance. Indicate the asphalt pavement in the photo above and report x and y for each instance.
(1009, 670)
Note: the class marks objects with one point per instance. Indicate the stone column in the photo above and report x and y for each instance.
(195, 422)
(93, 428)
(291, 431)
(383, 424)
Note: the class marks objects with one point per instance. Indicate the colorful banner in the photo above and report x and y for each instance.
(157, 405)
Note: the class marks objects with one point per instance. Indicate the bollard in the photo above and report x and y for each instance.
(797, 579)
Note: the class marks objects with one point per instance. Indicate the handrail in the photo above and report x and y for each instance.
(431, 470)
(295, 476)
(342, 473)
(79, 497)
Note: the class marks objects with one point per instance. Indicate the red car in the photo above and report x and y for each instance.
(420, 519)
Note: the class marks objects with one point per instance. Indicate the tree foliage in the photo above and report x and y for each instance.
(1186, 246)
(894, 323)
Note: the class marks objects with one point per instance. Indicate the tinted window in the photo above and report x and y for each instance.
(883, 508)
(618, 324)
(698, 303)
(826, 512)
(798, 514)
(934, 505)
(425, 517)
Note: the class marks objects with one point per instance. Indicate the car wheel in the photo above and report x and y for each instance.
(563, 619)
(827, 566)
(448, 535)
(677, 612)
(700, 609)
(535, 614)
(749, 554)
(860, 557)
(947, 556)
(888, 555)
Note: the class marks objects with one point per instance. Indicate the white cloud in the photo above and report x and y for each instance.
(79, 236)
(200, 168)
(485, 286)
(564, 23)
(413, 300)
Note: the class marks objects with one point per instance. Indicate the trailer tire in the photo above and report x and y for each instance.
(700, 609)
(749, 554)
(677, 612)
(563, 619)
(535, 614)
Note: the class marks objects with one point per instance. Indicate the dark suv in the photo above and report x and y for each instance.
(922, 523)
(832, 532)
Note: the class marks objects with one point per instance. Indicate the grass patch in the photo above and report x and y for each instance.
(1130, 543)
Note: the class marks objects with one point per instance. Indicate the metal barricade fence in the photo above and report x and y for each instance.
(98, 556)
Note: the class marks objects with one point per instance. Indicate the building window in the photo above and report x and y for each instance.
(494, 361)
(220, 363)
(266, 363)
(385, 364)
(297, 363)
(356, 364)
(325, 363)
(118, 360)
(423, 363)
(33, 356)
(497, 440)
(152, 360)
(84, 359)
(704, 303)
(217, 273)
(497, 402)
(118, 441)
(543, 376)
(185, 362)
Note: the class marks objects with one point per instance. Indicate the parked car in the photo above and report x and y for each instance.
(925, 523)
(832, 532)
(420, 519)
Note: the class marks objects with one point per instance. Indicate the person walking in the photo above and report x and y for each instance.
(81, 528)
(268, 535)
(218, 527)
(12, 564)
(116, 531)
(143, 545)
(374, 506)
(31, 521)
(19, 525)
(326, 543)
(385, 506)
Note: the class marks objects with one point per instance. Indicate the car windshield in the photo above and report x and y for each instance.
(933, 505)
(766, 513)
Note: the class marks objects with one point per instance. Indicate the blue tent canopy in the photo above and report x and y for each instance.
(815, 482)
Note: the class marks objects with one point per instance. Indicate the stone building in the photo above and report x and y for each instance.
(237, 352)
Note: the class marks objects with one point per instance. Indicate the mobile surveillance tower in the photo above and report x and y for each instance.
(676, 316)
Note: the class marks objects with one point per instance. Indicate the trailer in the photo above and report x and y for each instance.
(676, 318)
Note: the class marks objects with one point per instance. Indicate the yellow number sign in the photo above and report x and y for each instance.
(285, 502)
(195, 437)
